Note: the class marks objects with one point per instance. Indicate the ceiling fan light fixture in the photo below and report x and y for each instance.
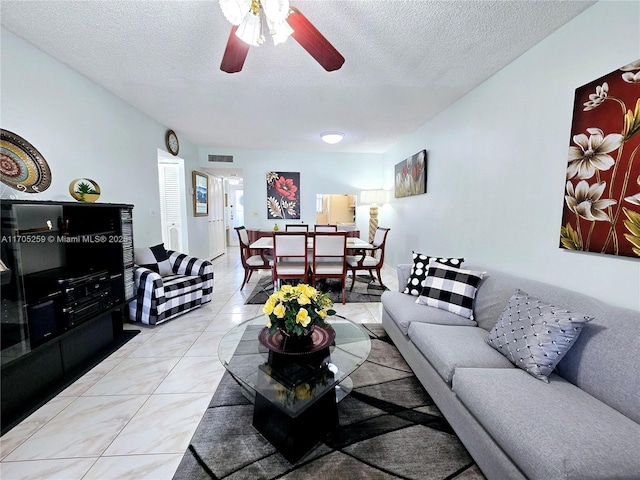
(279, 31)
(235, 10)
(332, 137)
(253, 20)
(250, 30)
(253, 17)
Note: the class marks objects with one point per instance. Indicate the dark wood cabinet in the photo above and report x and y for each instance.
(67, 273)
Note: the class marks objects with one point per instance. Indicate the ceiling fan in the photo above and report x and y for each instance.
(251, 18)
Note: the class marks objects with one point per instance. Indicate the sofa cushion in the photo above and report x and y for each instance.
(604, 359)
(403, 310)
(403, 271)
(154, 258)
(550, 430)
(534, 335)
(448, 347)
(599, 362)
(451, 289)
(178, 285)
(419, 271)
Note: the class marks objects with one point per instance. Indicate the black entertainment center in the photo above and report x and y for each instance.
(66, 277)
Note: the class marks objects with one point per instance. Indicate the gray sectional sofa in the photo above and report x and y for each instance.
(583, 424)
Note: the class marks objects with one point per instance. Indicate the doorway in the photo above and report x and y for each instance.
(234, 215)
(173, 206)
(235, 200)
(216, 217)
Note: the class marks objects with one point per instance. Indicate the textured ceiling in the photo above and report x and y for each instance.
(406, 61)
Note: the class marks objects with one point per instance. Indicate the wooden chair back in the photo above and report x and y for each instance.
(325, 228)
(296, 227)
(290, 259)
(329, 258)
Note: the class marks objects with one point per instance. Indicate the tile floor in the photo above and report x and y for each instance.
(132, 416)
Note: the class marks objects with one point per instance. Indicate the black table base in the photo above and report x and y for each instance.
(292, 432)
(294, 437)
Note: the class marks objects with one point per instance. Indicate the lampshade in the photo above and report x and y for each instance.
(253, 17)
(332, 137)
(371, 197)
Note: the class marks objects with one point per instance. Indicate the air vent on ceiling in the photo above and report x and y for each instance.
(221, 158)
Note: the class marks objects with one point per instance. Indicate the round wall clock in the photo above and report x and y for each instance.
(22, 166)
(171, 139)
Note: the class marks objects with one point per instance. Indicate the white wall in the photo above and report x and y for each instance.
(84, 131)
(496, 158)
(319, 173)
(497, 162)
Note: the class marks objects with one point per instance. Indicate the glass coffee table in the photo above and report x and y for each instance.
(295, 396)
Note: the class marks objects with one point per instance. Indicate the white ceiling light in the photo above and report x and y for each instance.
(332, 137)
(253, 17)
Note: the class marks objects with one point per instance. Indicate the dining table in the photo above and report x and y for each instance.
(355, 246)
(353, 243)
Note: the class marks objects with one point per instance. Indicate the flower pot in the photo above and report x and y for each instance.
(294, 342)
(318, 338)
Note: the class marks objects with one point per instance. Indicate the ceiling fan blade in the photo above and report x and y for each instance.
(235, 53)
(313, 41)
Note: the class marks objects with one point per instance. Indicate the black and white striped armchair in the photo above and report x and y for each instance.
(169, 287)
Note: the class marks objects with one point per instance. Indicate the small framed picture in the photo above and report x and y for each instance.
(200, 194)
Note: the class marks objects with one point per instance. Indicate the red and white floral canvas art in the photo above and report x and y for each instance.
(602, 191)
(283, 195)
(411, 175)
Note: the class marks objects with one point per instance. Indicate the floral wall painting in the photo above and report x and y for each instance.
(602, 190)
(411, 175)
(283, 195)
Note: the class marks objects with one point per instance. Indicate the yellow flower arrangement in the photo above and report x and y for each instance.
(296, 309)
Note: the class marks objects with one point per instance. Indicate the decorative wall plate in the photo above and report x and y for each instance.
(22, 166)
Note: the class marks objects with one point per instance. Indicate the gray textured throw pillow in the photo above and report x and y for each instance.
(534, 335)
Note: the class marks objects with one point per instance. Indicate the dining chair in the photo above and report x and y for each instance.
(371, 259)
(250, 263)
(290, 259)
(329, 258)
(296, 227)
(325, 228)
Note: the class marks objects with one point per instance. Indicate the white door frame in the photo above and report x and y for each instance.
(234, 220)
(217, 240)
(164, 157)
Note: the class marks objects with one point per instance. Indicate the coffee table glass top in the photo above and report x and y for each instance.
(246, 359)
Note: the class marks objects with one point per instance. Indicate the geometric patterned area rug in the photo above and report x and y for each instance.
(389, 428)
(364, 290)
